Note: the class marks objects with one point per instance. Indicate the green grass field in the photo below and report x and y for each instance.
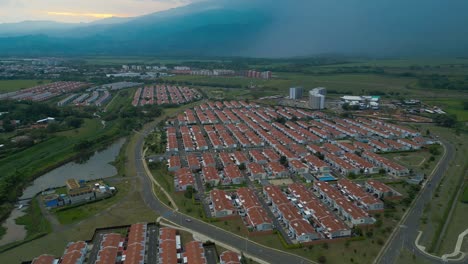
(15, 85)
(452, 106)
(464, 197)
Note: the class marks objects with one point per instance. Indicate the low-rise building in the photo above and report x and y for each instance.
(221, 203)
(229, 257)
(232, 175)
(256, 171)
(276, 170)
(210, 175)
(183, 179)
(380, 190)
(355, 193)
(254, 215)
(194, 253)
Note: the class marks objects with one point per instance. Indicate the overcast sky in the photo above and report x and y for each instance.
(80, 10)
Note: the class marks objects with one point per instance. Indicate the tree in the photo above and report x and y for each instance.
(188, 192)
(243, 259)
(434, 150)
(445, 120)
(322, 259)
(242, 166)
(283, 160)
(74, 122)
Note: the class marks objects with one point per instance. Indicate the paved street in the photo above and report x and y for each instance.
(217, 234)
(406, 234)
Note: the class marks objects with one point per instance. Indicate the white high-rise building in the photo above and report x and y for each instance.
(317, 98)
(295, 93)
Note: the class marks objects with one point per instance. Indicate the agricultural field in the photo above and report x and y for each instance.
(15, 85)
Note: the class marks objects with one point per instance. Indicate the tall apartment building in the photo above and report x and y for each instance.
(295, 93)
(317, 98)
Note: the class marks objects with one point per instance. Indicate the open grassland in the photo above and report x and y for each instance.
(464, 197)
(421, 161)
(337, 84)
(15, 85)
(452, 106)
(405, 62)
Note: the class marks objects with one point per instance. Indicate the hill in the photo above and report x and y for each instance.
(262, 28)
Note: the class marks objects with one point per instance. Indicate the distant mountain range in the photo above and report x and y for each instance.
(273, 28)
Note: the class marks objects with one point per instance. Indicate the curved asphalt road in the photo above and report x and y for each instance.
(267, 254)
(406, 234)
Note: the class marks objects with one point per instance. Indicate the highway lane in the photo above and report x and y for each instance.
(407, 232)
(217, 234)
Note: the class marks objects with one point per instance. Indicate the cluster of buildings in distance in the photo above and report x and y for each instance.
(253, 74)
(137, 244)
(44, 92)
(97, 98)
(363, 102)
(164, 94)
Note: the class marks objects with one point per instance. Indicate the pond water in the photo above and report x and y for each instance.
(14, 232)
(98, 166)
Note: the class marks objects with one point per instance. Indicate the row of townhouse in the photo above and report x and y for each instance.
(229, 257)
(355, 193)
(183, 179)
(341, 165)
(252, 211)
(172, 144)
(221, 204)
(170, 247)
(135, 246)
(270, 170)
(380, 189)
(363, 165)
(110, 249)
(405, 130)
(325, 222)
(390, 167)
(309, 137)
(290, 215)
(336, 200)
(316, 165)
(136, 97)
(232, 175)
(74, 253)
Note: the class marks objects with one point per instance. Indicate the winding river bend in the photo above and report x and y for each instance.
(98, 166)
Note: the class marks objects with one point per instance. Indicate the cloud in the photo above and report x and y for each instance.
(93, 15)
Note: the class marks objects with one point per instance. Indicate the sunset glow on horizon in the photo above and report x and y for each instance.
(12, 11)
(94, 15)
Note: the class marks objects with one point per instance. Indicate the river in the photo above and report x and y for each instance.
(98, 166)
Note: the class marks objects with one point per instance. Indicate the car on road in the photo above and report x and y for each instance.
(188, 220)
